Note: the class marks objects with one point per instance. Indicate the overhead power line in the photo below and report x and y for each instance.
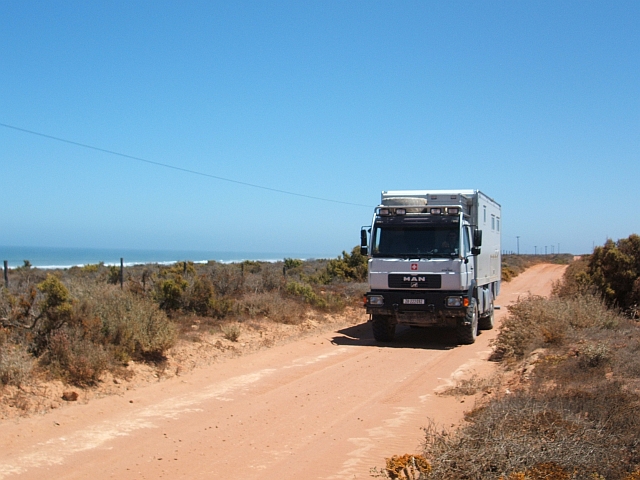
(180, 169)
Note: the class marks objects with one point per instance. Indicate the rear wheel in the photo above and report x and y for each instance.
(467, 329)
(486, 322)
(384, 330)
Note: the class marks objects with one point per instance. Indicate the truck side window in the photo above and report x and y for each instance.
(467, 242)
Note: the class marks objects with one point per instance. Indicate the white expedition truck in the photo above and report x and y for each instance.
(434, 260)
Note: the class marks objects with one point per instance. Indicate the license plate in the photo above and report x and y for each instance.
(413, 301)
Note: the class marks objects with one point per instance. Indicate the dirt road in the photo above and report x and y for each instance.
(329, 406)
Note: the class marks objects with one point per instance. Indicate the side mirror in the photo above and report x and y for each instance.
(475, 250)
(363, 241)
(477, 238)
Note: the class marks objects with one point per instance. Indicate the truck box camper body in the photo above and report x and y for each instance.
(434, 260)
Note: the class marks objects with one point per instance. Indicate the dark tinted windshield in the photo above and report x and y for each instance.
(391, 241)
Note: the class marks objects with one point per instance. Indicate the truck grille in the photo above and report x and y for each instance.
(414, 280)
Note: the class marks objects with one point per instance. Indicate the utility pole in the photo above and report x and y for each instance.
(518, 243)
(545, 249)
(535, 249)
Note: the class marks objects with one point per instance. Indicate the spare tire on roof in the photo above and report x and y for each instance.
(406, 201)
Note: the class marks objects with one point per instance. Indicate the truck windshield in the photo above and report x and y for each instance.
(423, 241)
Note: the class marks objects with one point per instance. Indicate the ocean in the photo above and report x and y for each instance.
(52, 257)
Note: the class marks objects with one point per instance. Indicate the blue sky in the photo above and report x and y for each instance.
(535, 103)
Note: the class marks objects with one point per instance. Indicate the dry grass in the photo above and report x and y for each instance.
(536, 322)
(16, 365)
(471, 386)
(231, 331)
(576, 417)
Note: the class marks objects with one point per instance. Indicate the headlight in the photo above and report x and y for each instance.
(453, 301)
(376, 300)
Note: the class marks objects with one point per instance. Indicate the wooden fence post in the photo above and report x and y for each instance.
(6, 274)
(121, 272)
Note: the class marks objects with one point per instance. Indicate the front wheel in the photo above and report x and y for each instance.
(467, 329)
(384, 330)
(486, 322)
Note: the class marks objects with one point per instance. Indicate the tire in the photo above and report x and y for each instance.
(467, 333)
(486, 322)
(383, 328)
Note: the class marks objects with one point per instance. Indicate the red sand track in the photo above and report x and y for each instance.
(329, 406)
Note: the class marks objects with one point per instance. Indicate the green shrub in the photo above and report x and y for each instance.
(292, 263)
(169, 292)
(113, 277)
(575, 280)
(615, 270)
(199, 296)
(351, 266)
(251, 266)
(323, 301)
(306, 292)
(56, 309)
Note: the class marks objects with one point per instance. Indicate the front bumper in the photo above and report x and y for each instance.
(413, 307)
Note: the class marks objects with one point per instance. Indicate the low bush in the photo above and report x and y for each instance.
(231, 331)
(75, 358)
(16, 365)
(536, 322)
(580, 432)
(169, 292)
(324, 300)
(200, 296)
(134, 326)
(576, 280)
(227, 279)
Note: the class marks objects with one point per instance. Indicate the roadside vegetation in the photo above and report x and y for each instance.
(76, 324)
(513, 265)
(568, 406)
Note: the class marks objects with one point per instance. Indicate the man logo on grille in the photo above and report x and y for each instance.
(415, 279)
